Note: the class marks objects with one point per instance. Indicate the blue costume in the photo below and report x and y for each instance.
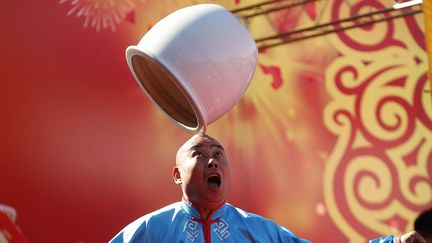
(180, 222)
(387, 239)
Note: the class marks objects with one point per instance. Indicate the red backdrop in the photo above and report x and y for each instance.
(83, 152)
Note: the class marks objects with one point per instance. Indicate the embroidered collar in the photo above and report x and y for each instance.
(216, 213)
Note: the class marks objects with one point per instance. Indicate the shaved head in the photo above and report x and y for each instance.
(203, 171)
(190, 144)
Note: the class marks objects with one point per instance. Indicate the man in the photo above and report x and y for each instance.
(10, 232)
(203, 171)
(423, 225)
(411, 237)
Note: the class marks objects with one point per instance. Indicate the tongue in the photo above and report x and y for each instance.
(213, 184)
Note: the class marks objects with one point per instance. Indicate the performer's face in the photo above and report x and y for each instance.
(203, 171)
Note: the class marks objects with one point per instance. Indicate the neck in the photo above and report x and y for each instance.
(204, 210)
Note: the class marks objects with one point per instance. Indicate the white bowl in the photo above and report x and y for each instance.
(195, 64)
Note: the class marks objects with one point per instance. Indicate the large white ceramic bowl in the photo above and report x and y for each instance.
(195, 64)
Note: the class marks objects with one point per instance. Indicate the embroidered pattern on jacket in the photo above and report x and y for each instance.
(221, 230)
(191, 229)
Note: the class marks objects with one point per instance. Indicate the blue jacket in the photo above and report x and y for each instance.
(180, 222)
(386, 239)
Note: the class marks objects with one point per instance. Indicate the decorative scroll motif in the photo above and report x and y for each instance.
(191, 229)
(221, 230)
(379, 174)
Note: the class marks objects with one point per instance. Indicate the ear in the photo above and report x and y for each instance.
(176, 175)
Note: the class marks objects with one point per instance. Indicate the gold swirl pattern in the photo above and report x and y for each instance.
(379, 175)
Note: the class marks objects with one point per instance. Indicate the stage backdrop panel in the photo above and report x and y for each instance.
(333, 139)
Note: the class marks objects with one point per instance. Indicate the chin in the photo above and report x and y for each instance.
(217, 198)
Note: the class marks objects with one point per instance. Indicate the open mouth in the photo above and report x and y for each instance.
(214, 181)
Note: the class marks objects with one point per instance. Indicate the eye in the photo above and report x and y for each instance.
(197, 154)
(217, 154)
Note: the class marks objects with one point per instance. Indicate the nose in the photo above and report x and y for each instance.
(212, 163)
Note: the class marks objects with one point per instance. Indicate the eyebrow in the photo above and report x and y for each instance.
(200, 145)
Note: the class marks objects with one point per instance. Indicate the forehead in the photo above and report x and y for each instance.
(198, 141)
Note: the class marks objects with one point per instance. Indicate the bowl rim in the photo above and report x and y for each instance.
(134, 50)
